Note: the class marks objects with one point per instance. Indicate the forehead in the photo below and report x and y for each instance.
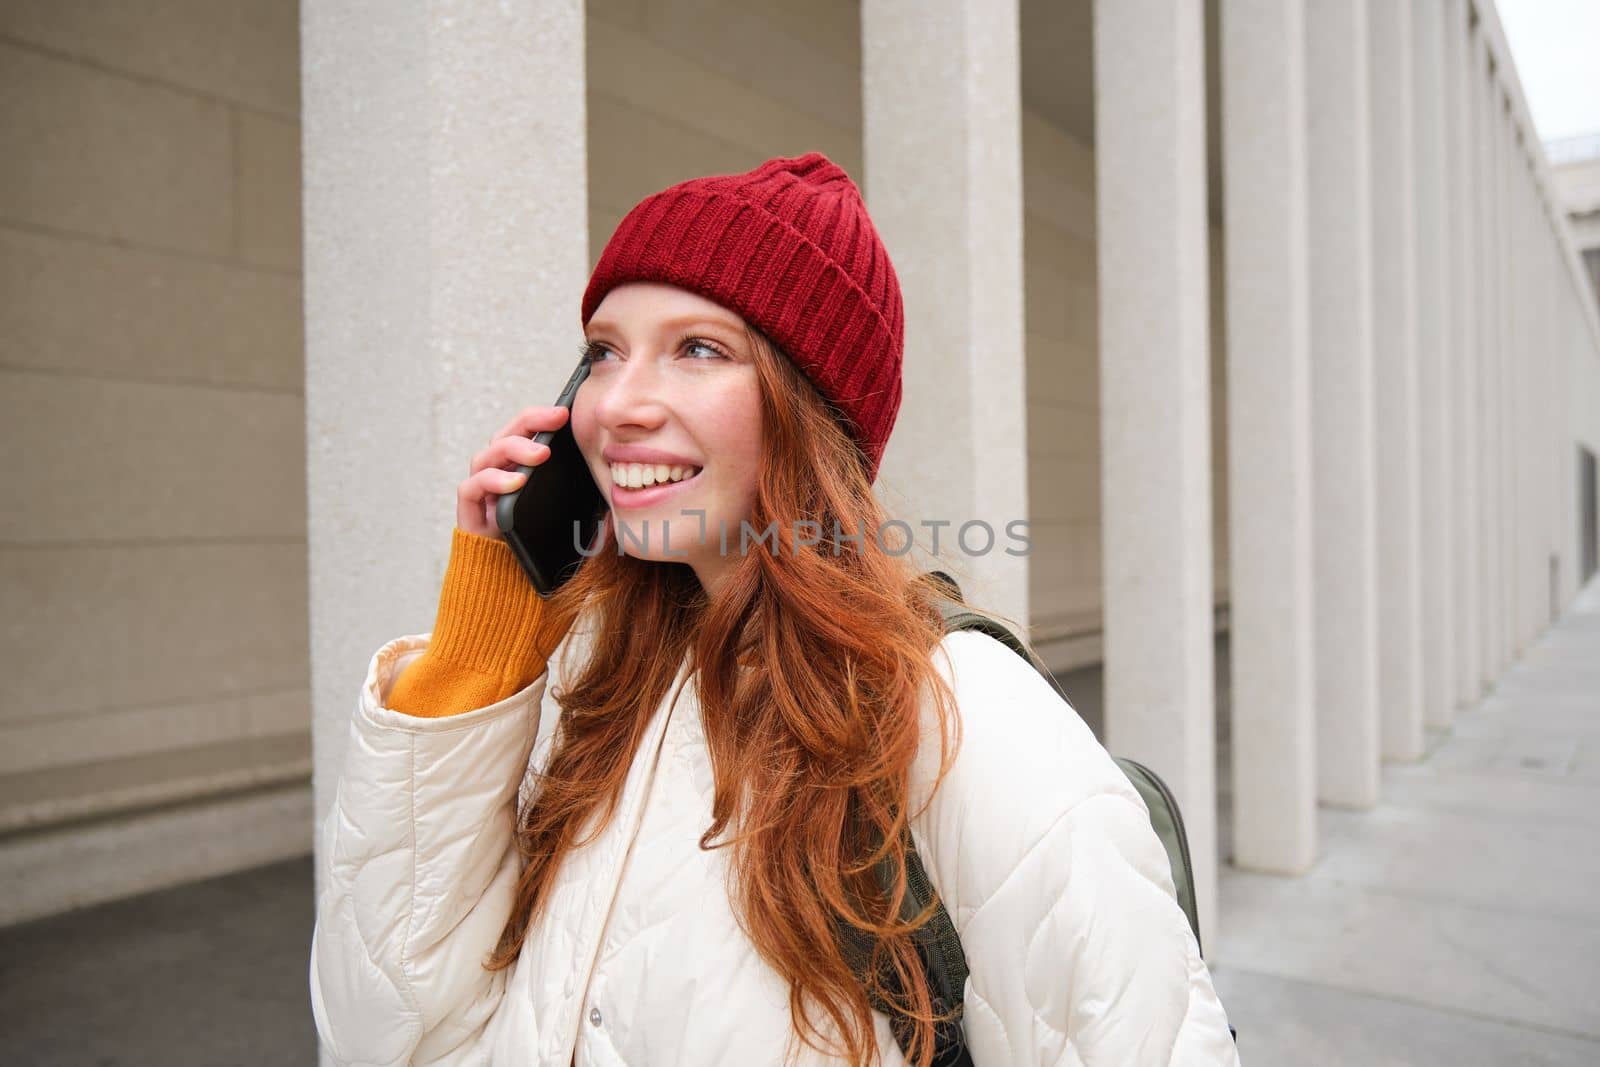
(641, 305)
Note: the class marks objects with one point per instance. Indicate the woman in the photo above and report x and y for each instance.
(641, 854)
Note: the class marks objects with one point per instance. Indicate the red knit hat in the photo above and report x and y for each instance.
(789, 247)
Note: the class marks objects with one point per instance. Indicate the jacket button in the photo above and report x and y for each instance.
(594, 1016)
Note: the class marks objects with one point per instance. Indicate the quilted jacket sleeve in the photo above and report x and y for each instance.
(418, 869)
(418, 873)
(1059, 888)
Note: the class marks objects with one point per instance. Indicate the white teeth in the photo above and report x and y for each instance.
(639, 475)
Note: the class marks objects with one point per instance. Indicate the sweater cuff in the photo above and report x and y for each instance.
(491, 619)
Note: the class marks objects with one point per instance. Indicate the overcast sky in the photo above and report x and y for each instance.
(1556, 47)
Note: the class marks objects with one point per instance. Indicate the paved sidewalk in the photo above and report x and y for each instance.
(1459, 921)
(211, 974)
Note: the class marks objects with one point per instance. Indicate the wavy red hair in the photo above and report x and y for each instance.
(812, 669)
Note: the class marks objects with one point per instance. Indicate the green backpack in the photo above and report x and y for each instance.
(937, 942)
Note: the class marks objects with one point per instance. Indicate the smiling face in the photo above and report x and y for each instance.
(669, 419)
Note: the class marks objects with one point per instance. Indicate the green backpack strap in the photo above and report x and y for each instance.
(958, 616)
(937, 941)
(1165, 817)
(1168, 823)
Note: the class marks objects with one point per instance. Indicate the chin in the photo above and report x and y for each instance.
(681, 536)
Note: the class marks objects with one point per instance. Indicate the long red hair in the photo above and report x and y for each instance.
(812, 668)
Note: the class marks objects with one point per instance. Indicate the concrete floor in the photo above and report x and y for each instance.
(1456, 923)
(210, 974)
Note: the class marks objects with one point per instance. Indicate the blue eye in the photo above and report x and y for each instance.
(688, 342)
(596, 352)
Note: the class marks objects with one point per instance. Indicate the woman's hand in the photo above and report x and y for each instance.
(494, 473)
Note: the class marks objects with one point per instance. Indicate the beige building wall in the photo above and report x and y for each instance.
(153, 559)
(1063, 392)
(675, 92)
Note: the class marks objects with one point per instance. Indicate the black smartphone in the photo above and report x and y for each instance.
(556, 513)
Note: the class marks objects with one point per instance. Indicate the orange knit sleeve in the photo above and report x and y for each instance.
(490, 640)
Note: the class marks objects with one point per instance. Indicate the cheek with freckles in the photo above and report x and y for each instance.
(728, 430)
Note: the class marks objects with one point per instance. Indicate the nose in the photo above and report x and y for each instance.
(628, 395)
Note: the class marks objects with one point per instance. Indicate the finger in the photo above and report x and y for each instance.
(491, 481)
(510, 452)
(478, 496)
(531, 420)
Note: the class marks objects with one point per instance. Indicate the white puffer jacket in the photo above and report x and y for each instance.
(1040, 848)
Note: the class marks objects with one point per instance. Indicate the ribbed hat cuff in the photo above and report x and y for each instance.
(740, 255)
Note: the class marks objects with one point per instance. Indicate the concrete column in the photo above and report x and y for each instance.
(1435, 529)
(1394, 323)
(1155, 406)
(1492, 383)
(1344, 478)
(1553, 432)
(1527, 567)
(1550, 399)
(1516, 368)
(942, 147)
(1461, 181)
(1535, 239)
(1488, 271)
(1555, 445)
(1539, 455)
(1505, 503)
(445, 208)
(1539, 401)
(1546, 399)
(1269, 442)
(1516, 381)
(1538, 239)
(1536, 563)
